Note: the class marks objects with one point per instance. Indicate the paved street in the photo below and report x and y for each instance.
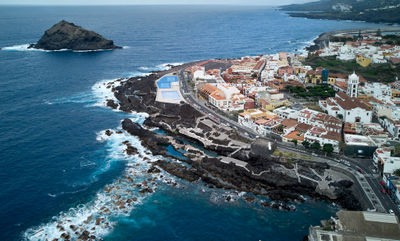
(361, 169)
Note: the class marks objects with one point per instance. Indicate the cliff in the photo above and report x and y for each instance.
(383, 11)
(65, 35)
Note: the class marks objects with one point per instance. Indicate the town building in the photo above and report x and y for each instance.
(347, 108)
(385, 161)
(359, 146)
(357, 226)
(352, 85)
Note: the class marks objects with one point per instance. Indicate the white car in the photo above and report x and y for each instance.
(391, 211)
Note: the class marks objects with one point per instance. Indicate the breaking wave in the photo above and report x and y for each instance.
(25, 47)
(98, 217)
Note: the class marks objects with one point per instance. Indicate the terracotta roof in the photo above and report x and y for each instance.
(218, 95)
(288, 123)
(302, 127)
(209, 88)
(332, 136)
(349, 103)
(295, 135)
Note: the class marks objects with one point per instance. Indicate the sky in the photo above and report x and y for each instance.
(150, 2)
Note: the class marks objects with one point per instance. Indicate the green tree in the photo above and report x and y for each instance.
(396, 150)
(280, 128)
(316, 146)
(295, 142)
(306, 144)
(328, 148)
(397, 172)
(340, 116)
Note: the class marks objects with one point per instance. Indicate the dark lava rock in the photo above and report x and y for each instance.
(84, 236)
(112, 104)
(153, 169)
(178, 170)
(261, 148)
(108, 132)
(65, 35)
(130, 150)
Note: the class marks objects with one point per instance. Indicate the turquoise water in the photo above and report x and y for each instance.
(54, 157)
(172, 95)
(165, 82)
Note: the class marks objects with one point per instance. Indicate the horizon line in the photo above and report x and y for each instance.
(149, 4)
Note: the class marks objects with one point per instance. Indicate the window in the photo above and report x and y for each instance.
(348, 112)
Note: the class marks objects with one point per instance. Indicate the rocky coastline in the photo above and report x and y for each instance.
(238, 165)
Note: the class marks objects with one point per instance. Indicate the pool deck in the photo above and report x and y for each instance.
(174, 87)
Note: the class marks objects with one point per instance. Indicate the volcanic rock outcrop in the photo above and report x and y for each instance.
(66, 35)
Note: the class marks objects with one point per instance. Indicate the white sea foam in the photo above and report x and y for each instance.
(116, 200)
(160, 67)
(102, 91)
(167, 66)
(25, 47)
(22, 47)
(135, 74)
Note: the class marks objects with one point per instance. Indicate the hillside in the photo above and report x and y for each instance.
(387, 11)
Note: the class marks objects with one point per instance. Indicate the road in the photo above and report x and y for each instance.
(361, 169)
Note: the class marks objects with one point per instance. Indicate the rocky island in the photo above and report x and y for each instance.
(66, 35)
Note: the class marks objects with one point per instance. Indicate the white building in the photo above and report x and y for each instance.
(352, 85)
(223, 98)
(382, 157)
(392, 126)
(349, 109)
(323, 136)
(286, 112)
(379, 91)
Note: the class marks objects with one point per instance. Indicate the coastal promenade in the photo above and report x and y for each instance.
(359, 170)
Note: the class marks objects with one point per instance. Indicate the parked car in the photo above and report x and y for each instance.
(391, 211)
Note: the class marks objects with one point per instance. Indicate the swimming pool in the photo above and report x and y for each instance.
(165, 82)
(171, 95)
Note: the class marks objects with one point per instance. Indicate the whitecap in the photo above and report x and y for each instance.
(102, 91)
(51, 195)
(21, 47)
(25, 47)
(98, 216)
(167, 66)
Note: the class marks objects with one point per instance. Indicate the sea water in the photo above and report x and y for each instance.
(54, 157)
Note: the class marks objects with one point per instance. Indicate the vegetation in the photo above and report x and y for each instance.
(341, 39)
(375, 72)
(391, 39)
(306, 144)
(328, 148)
(316, 146)
(360, 10)
(320, 91)
(397, 172)
(295, 142)
(396, 150)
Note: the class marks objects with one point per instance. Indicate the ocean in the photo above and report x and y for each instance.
(54, 157)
